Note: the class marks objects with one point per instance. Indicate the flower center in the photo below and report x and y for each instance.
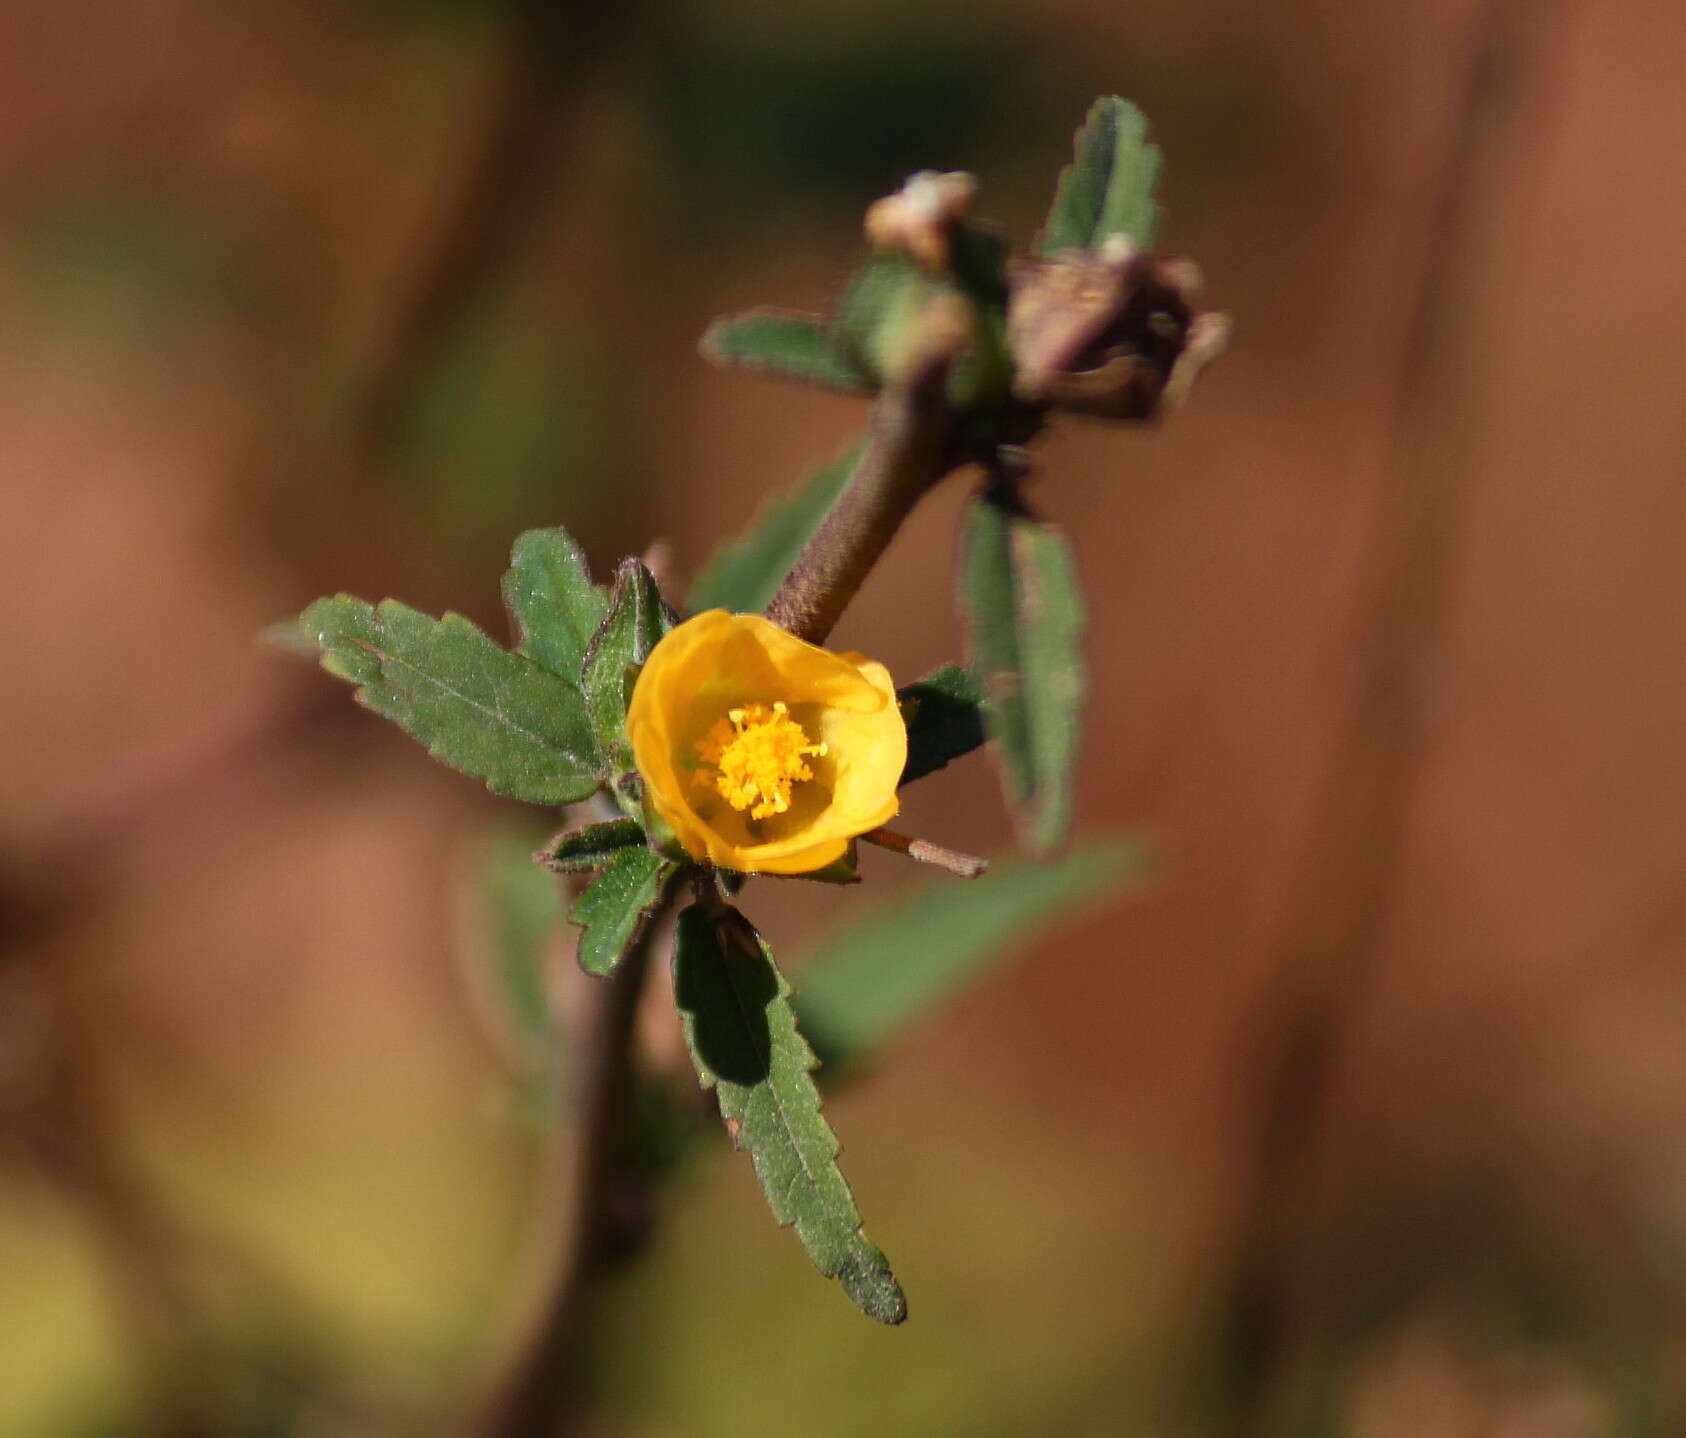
(753, 756)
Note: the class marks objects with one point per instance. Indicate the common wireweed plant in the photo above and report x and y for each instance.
(698, 740)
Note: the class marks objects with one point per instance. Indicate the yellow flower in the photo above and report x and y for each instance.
(764, 753)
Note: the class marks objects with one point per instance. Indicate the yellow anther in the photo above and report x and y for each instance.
(753, 757)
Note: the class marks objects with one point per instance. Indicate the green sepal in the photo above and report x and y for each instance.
(787, 344)
(637, 618)
(496, 716)
(741, 1031)
(552, 602)
(944, 714)
(745, 573)
(1108, 189)
(890, 967)
(1024, 616)
(612, 911)
(583, 851)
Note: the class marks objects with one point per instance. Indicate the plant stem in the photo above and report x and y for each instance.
(544, 1390)
(908, 449)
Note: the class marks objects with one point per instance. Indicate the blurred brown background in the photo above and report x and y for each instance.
(1369, 1119)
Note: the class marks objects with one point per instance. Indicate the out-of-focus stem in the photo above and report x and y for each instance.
(542, 1395)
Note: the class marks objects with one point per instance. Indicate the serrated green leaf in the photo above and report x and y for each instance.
(494, 715)
(1024, 615)
(520, 908)
(555, 606)
(637, 618)
(779, 342)
(582, 851)
(944, 713)
(613, 910)
(743, 1038)
(1108, 189)
(887, 969)
(744, 575)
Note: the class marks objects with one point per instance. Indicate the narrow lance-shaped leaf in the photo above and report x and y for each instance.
(638, 617)
(1108, 188)
(744, 575)
(494, 715)
(583, 851)
(944, 713)
(614, 909)
(743, 1039)
(1025, 622)
(889, 968)
(552, 601)
(779, 342)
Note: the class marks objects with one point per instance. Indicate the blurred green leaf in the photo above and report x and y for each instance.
(885, 303)
(779, 342)
(743, 1039)
(555, 606)
(1025, 622)
(744, 575)
(886, 293)
(638, 617)
(944, 713)
(1108, 188)
(613, 910)
(583, 851)
(886, 970)
(494, 715)
(521, 907)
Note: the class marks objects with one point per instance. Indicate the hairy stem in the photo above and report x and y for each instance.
(908, 449)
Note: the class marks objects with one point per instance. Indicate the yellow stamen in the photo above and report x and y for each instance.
(753, 756)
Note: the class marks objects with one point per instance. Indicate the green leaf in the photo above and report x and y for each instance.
(583, 851)
(494, 715)
(886, 293)
(520, 908)
(1108, 189)
(1025, 620)
(888, 969)
(613, 910)
(555, 606)
(744, 575)
(638, 617)
(779, 342)
(944, 713)
(742, 1034)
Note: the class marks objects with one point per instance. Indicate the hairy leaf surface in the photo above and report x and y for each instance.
(613, 910)
(743, 1039)
(1108, 189)
(494, 715)
(555, 606)
(638, 617)
(582, 851)
(944, 713)
(1025, 623)
(779, 342)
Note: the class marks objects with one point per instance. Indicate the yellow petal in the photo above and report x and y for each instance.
(718, 662)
